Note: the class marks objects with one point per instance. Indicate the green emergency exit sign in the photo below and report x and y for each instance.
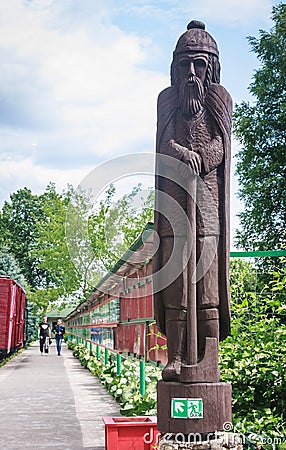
(187, 408)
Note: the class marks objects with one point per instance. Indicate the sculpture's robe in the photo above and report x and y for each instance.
(209, 135)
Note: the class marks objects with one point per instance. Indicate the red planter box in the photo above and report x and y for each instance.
(129, 433)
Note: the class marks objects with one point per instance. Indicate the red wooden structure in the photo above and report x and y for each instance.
(122, 307)
(12, 320)
(127, 433)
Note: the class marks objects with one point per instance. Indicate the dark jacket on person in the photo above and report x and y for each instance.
(57, 329)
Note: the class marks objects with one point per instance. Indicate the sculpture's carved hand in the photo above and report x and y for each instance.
(193, 160)
(189, 157)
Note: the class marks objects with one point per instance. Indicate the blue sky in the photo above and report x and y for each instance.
(79, 79)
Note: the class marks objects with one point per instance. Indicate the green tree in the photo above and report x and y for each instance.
(64, 285)
(10, 267)
(261, 129)
(98, 233)
(63, 245)
(33, 230)
(19, 220)
(117, 223)
(49, 247)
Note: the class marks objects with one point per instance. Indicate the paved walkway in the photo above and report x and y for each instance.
(51, 402)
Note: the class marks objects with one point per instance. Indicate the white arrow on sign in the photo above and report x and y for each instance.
(179, 407)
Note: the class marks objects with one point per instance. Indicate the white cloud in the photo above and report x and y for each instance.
(82, 94)
(75, 89)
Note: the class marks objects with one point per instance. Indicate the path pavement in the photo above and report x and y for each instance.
(51, 402)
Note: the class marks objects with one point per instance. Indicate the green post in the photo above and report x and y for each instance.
(142, 378)
(118, 364)
(105, 356)
(97, 351)
(90, 347)
(85, 343)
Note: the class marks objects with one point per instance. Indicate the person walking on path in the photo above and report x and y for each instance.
(44, 335)
(59, 331)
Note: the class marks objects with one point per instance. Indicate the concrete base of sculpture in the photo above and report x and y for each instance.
(193, 407)
(221, 441)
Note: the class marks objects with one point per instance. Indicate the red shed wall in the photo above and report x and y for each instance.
(5, 313)
(12, 306)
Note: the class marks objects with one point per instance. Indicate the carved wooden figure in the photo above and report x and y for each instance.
(193, 165)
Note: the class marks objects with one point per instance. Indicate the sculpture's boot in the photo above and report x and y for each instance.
(208, 326)
(176, 338)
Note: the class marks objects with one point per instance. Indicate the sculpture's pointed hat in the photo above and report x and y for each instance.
(196, 39)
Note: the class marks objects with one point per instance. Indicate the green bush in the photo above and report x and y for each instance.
(253, 358)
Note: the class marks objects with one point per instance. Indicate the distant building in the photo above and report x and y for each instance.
(56, 314)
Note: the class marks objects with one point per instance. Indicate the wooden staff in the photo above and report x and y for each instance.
(192, 338)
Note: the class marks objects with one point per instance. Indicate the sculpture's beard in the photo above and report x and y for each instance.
(191, 97)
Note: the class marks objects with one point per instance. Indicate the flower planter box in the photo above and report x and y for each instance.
(126, 433)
